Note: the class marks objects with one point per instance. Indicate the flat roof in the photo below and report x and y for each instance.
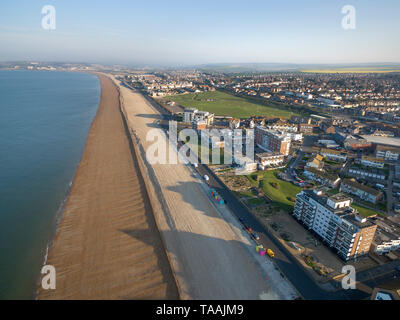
(389, 141)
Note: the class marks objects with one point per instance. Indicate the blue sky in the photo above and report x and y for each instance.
(188, 32)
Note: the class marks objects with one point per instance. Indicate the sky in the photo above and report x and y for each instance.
(200, 32)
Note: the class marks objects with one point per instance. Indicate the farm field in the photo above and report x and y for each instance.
(353, 70)
(225, 104)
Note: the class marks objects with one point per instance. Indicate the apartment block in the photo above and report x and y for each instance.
(188, 114)
(336, 222)
(272, 141)
(191, 114)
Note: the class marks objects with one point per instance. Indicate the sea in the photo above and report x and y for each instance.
(45, 117)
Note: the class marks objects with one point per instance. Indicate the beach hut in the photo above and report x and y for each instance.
(259, 247)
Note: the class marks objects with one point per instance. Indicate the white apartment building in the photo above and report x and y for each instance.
(336, 222)
(189, 114)
(269, 159)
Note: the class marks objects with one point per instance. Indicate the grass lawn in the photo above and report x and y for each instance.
(225, 104)
(279, 195)
(255, 201)
(366, 212)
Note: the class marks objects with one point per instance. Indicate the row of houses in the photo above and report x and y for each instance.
(360, 190)
(350, 186)
(367, 174)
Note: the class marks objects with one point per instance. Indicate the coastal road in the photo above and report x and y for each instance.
(289, 266)
(210, 257)
(285, 261)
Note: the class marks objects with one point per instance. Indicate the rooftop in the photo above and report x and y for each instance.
(388, 141)
(348, 214)
(268, 154)
(353, 183)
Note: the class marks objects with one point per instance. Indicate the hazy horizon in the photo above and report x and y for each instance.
(179, 33)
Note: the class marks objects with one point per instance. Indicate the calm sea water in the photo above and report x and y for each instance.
(44, 122)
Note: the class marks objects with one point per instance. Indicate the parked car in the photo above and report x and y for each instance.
(248, 228)
(255, 236)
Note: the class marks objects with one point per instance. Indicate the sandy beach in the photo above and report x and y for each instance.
(211, 255)
(107, 245)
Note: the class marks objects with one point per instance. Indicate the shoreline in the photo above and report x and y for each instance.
(59, 213)
(83, 273)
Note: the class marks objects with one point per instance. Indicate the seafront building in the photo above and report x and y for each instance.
(272, 141)
(188, 114)
(268, 159)
(191, 115)
(335, 222)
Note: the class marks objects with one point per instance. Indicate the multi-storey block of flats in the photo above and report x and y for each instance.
(338, 224)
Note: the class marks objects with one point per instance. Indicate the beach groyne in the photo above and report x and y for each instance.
(107, 245)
